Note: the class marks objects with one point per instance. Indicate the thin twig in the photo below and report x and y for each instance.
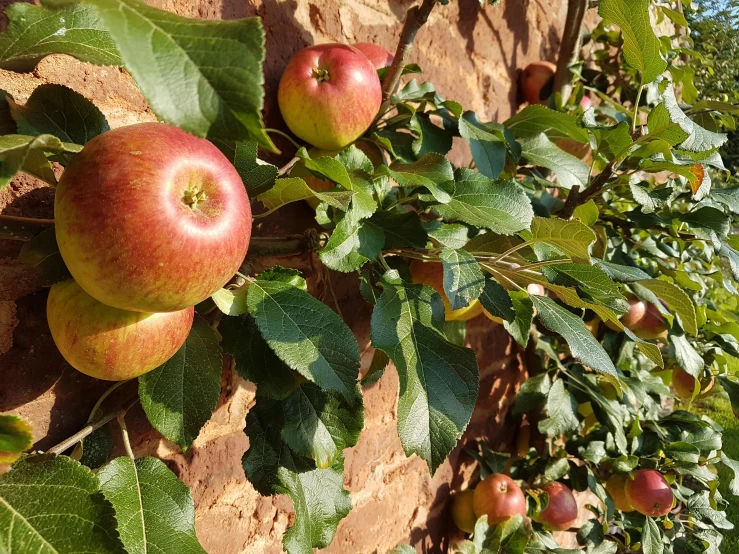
(414, 20)
(22, 228)
(285, 136)
(285, 169)
(569, 49)
(124, 433)
(309, 241)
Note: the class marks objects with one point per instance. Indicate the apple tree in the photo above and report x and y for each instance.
(595, 225)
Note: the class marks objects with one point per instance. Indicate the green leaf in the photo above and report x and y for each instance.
(217, 90)
(402, 230)
(535, 119)
(448, 235)
(293, 189)
(641, 46)
(699, 505)
(556, 468)
(729, 197)
(26, 153)
(180, 395)
(733, 465)
(651, 538)
(520, 327)
(43, 498)
(570, 170)
(320, 424)
(431, 171)
(431, 138)
(699, 139)
(592, 281)
(319, 499)
(488, 149)
(587, 213)
(582, 344)
(257, 176)
(231, 302)
(306, 334)
(533, 394)
(95, 449)
(708, 224)
(42, 254)
(59, 111)
(561, 408)
(621, 273)
(687, 357)
(438, 380)
(16, 436)
(352, 244)
(255, 360)
(570, 237)
(35, 32)
(496, 301)
(677, 300)
(376, 369)
(463, 278)
(501, 206)
(660, 126)
(154, 509)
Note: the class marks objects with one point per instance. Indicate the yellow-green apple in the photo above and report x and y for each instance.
(329, 95)
(379, 56)
(150, 218)
(533, 79)
(616, 487)
(108, 343)
(463, 513)
(649, 493)
(498, 497)
(561, 511)
(432, 274)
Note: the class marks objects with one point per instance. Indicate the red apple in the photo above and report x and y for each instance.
(586, 103)
(616, 487)
(108, 343)
(561, 511)
(379, 56)
(683, 383)
(463, 513)
(150, 218)
(533, 79)
(329, 95)
(644, 320)
(499, 497)
(649, 493)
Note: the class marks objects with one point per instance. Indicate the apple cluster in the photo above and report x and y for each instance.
(150, 221)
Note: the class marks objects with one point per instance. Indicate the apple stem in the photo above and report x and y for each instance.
(414, 20)
(22, 228)
(569, 50)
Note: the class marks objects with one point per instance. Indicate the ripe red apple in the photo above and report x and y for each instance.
(379, 56)
(683, 383)
(463, 513)
(108, 343)
(616, 487)
(152, 219)
(533, 79)
(586, 103)
(643, 319)
(561, 511)
(499, 497)
(649, 493)
(329, 95)
(432, 274)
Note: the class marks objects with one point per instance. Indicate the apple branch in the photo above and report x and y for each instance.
(569, 49)
(414, 20)
(22, 228)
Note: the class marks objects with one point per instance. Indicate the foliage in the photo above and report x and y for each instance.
(645, 216)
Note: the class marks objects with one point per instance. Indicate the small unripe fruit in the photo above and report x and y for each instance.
(533, 79)
(561, 511)
(649, 493)
(616, 487)
(463, 512)
(498, 497)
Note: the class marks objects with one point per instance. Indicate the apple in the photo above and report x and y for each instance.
(533, 79)
(586, 103)
(642, 319)
(329, 95)
(649, 493)
(498, 497)
(151, 219)
(108, 343)
(616, 487)
(432, 274)
(561, 511)
(683, 383)
(379, 56)
(463, 513)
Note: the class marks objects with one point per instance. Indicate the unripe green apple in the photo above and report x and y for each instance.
(108, 343)
(561, 511)
(152, 219)
(463, 513)
(329, 95)
(649, 493)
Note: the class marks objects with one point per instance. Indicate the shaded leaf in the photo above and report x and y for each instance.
(352, 244)
(570, 170)
(16, 436)
(463, 278)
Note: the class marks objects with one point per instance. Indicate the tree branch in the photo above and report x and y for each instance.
(414, 20)
(22, 228)
(569, 49)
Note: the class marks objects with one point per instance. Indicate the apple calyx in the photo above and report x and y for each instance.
(191, 198)
(321, 75)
